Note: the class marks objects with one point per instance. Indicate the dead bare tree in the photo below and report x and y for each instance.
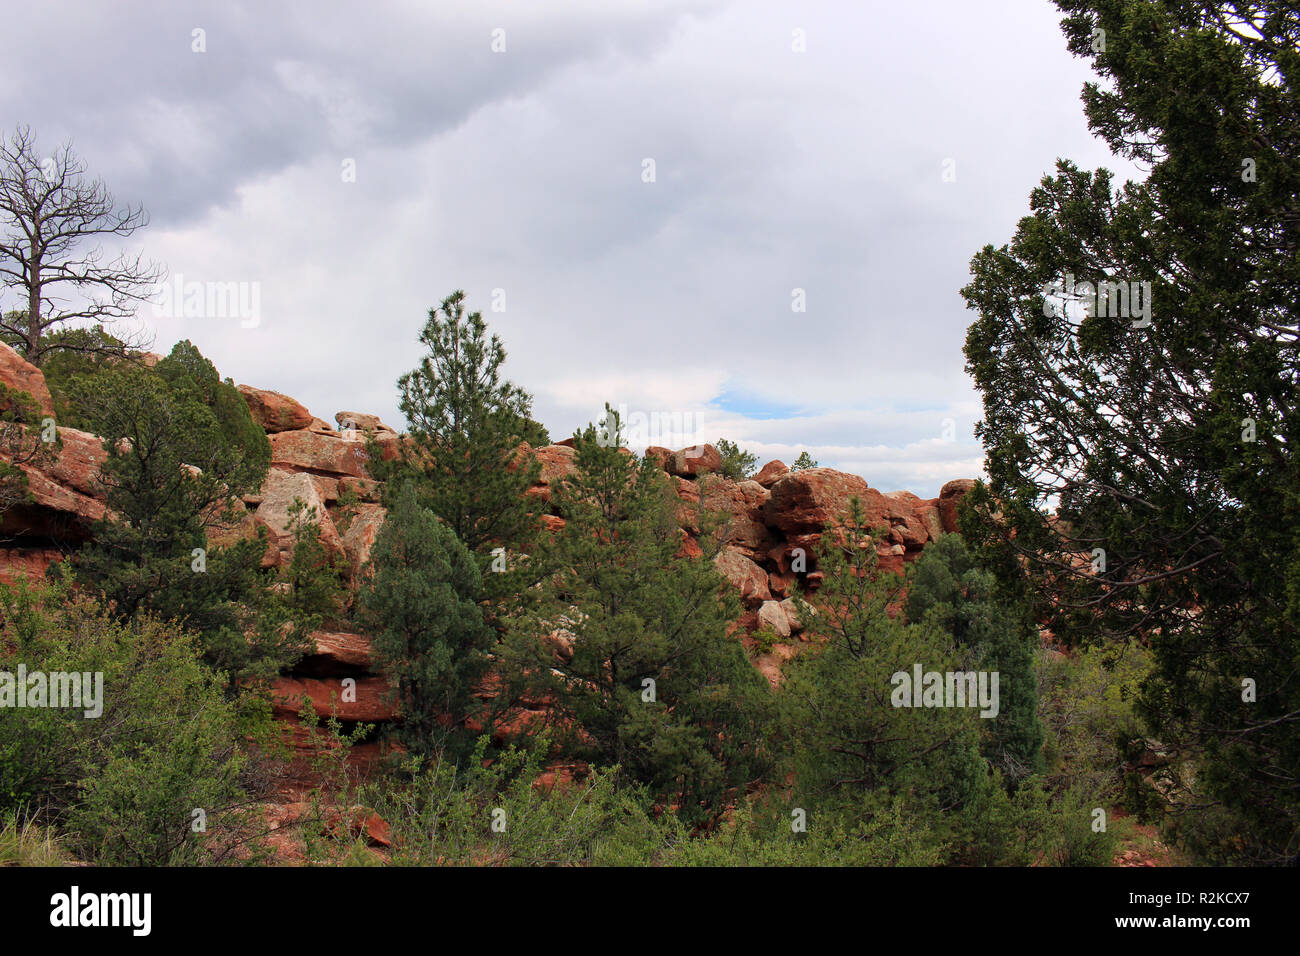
(52, 214)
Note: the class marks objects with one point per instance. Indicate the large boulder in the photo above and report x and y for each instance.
(950, 496)
(278, 494)
(772, 617)
(907, 526)
(804, 502)
(363, 529)
(373, 701)
(23, 376)
(771, 473)
(693, 461)
(557, 462)
(273, 411)
(659, 455)
(322, 452)
(746, 576)
(742, 502)
(352, 421)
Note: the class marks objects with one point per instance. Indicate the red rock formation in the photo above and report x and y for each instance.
(747, 577)
(273, 411)
(950, 495)
(278, 494)
(771, 473)
(369, 700)
(694, 461)
(23, 376)
(768, 521)
(319, 452)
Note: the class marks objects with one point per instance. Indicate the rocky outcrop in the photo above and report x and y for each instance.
(804, 502)
(279, 492)
(769, 527)
(950, 496)
(694, 461)
(557, 462)
(362, 530)
(771, 473)
(360, 421)
(746, 576)
(22, 376)
(368, 698)
(319, 452)
(273, 411)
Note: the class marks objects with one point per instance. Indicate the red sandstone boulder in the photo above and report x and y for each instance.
(906, 524)
(309, 450)
(372, 703)
(558, 462)
(360, 421)
(23, 376)
(693, 461)
(803, 502)
(742, 502)
(771, 473)
(746, 576)
(794, 616)
(363, 529)
(273, 411)
(660, 456)
(278, 494)
(772, 618)
(950, 495)
(336, 652)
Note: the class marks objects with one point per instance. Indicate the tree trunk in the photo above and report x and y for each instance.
(34, 315)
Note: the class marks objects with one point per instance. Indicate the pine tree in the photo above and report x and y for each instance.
(420, 597)
(181, 447)
(950, 589)
(466, 426)
(853, 751)
(647, 676)
(1141, 439)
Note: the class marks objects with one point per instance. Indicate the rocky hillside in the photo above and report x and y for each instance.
(774, 521)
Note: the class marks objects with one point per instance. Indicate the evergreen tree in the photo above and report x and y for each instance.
(646, 675)
(420, 597)
(181, 447)
(1141, 440)
(803, 462)
(949, 589)
(466, 426)
(737, 464)
(853, 750)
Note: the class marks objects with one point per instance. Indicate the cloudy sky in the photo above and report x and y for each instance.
(353, 164)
